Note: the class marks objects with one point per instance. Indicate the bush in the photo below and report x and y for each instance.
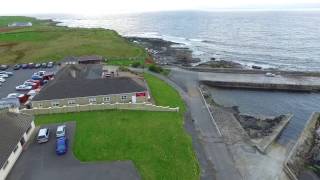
(136, 64)
(155, 68)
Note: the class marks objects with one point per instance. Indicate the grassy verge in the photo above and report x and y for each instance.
(155, 141)
(46, 42)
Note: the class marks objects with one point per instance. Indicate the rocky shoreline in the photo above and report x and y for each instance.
(171, 53)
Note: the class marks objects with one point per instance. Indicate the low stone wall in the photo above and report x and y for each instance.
(263, 86)
(97, 107)
(251, 71)
(295, 161)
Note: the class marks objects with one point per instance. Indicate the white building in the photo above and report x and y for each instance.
(15, 131)
(20, 24)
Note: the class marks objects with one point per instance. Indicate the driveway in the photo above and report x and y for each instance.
(39, 162)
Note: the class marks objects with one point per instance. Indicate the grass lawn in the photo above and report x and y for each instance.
(155, 141)
(45, 41)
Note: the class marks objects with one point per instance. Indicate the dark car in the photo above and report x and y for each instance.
(37, 65)
(4, 67)
(31, 66)
(24, 66)
(44, 65)
(16, 67)
(61, 145)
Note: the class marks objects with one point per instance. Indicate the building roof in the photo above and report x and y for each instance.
(79, 72)
(62, 89)
(90, 58)
(12, 128)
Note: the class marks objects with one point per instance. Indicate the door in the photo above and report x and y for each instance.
(134, 99)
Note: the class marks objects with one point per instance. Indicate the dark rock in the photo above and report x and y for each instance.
(256, 67)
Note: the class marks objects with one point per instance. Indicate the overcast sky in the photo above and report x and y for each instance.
(95, 7)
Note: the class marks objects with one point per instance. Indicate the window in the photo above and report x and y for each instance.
(15, 149)
(92, 100)
(5, 164)
(106, 99)
(22, 141)
(72, 102)
(55, 104)
(28, 130)
(123, 98)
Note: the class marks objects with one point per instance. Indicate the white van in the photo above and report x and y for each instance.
(43, 135)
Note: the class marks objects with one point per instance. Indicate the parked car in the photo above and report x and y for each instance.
(269, 74)
(43, 135)
(61, 131)
(36, 77)
(31, 66)
(23, 88)
(3, 67)
(16, 67)
(37, 65)
(24, 66)
(48, 76)
(22, 97)
(50, 65)
(39, 73)
(61, 145)
(4, 75)
(6, 72)
(2, 80)
(32, 84)
(44, 65)
(38, 82)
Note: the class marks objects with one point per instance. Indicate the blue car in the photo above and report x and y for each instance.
(61, 146)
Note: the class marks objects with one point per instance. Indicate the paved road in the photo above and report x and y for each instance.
(39, 162)
(216, 152)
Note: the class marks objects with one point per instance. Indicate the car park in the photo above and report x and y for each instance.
(23, 88)
(61, 145)
(3, 67)
(43, 135)
(24, 66)
(61, 131)
(16, 67)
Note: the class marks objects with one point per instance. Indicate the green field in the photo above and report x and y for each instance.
(155, 141)
(47, 42)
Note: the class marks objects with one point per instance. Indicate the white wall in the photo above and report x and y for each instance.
(15, 155)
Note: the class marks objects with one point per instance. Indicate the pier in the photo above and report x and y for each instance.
(288, 81)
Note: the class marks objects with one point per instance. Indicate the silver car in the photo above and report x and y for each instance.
(61, 131)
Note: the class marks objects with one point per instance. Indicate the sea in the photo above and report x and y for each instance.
(288, 40)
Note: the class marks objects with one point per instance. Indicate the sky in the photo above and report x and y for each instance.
(96, 7)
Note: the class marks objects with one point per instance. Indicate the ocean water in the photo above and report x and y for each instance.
(272, 103)
(285, 40)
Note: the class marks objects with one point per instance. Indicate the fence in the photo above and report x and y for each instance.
(97, 107)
